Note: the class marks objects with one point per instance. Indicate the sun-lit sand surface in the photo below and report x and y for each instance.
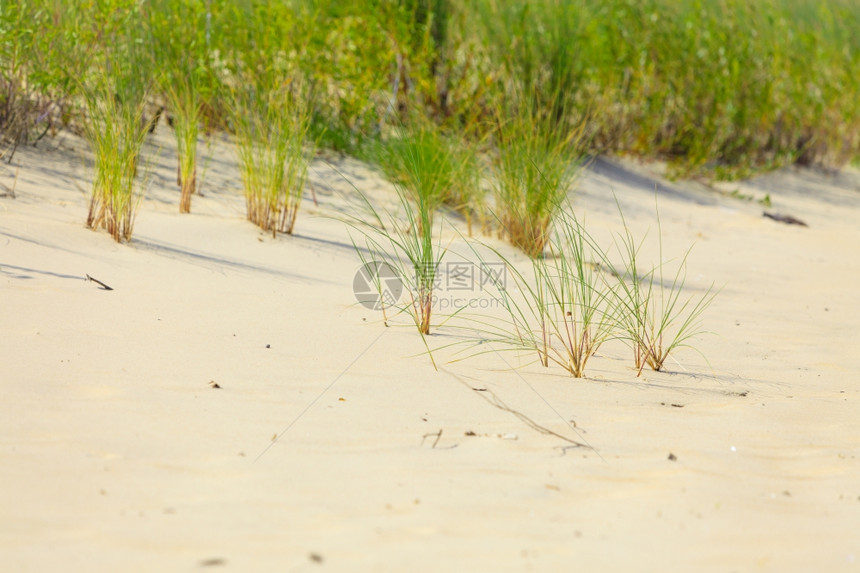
(117, 454)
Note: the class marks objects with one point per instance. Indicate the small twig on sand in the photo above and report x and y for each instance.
(11, 190)
(564, 449)
(313, 193)
(436, 441)
(98, 282)
(787, 219)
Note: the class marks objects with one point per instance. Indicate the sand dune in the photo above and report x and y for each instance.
(118, 454)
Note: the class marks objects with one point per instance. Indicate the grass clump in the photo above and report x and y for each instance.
(271, 136)
(427, 173)
(187, 110)
(654, 318)
(433, 169)
(180, 38)
(563, 309)
(406, 242)
(533, 169)
(573, 299)
(116, 128)
(269, 98)
(580, 310)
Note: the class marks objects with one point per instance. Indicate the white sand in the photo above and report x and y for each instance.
(116, 454)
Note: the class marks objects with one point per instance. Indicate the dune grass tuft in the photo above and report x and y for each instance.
(426, 171)
(187, 109)
(271, 138)
(116, 128)
(407, 242)
(572, 300)
(561, 308)
(433, 168)
(180, 48)
(655, 319)
(534, 166)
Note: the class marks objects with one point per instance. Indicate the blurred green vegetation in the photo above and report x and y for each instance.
(721, 88)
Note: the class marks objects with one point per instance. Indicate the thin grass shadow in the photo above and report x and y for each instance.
(712, 383)
(604, 167)
(44, 244)
(209, 261)
(25, 272)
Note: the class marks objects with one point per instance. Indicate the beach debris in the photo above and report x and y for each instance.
(470, 433)
(315, 557)
(214, 385)
(672, 457)
(98, 282)
(213, 562)
(787, 219)
(509, 436)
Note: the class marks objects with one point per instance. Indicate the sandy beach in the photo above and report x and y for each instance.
(331, 443)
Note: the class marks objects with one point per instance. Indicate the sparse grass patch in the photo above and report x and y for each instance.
(267, 93)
